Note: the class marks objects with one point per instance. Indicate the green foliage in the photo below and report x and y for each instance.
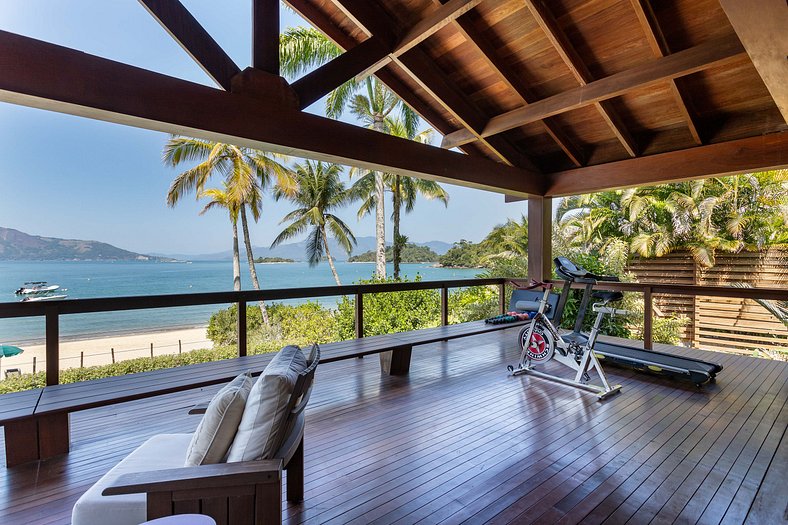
(473, 304)
(268, 260)
(464, 254)
(411, 253)
(387, 313)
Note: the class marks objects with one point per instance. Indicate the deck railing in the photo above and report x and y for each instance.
(52, 310)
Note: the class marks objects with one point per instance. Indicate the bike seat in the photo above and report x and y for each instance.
(608, 297)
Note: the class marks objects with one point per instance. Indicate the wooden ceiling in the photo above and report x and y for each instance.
(563, 85)
(544, 98)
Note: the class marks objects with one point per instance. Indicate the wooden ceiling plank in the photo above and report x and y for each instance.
(738, 156)
(763, 29)
(314, 85)
(423, 29)
(46, 76)
(659, 46)
(549, 25)
(194, 39)
(368, 17)
(697, 58)
(265, 35)
(493, 60)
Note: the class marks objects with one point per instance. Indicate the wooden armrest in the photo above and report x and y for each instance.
(200, 477)
(199, 408)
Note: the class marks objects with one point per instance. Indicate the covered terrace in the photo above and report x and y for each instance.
(542, 99)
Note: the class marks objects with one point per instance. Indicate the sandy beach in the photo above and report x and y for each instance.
(98, 351)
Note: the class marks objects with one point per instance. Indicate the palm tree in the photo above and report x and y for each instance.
(221, 199)
(404, 190)
(369, 100)
(319, 193)
(246, 173)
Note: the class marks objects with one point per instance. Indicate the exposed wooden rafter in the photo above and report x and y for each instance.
(659, 46)
(46, 76)
(737, 156)
(194, 39)
(265, 35)
(692, 60)
(489, 53)
(762, 29)
(544, 17)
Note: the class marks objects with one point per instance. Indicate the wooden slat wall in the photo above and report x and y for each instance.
(729, 325)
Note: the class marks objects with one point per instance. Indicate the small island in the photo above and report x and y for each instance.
(272, 260)
(411, 253)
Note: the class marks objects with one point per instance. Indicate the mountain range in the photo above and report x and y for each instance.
(16, 246)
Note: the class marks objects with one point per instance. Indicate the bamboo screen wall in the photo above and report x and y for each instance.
(732, 325)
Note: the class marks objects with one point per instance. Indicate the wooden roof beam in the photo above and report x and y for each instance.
(688, 61)
(762, 30)
(194, 39)
(659, 46)
(566, 50)
(46, 76)
(265, 35)
(489, 53)
(760, 153)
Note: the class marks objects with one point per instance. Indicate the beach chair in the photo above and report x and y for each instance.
(152, 481)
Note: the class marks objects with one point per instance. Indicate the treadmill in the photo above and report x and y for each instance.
(683, 368)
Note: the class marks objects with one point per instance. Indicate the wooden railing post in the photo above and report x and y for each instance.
(648, 319)
(52, 347)
(241, 328)
(359, 317)
(444, 306)
(502, 297)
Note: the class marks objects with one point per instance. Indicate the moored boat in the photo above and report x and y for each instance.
(35, 298)
(36, 288)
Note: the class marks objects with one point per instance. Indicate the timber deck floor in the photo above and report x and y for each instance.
(459, 440)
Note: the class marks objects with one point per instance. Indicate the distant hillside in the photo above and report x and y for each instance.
(16, 245)
(297, 250)
(411, 253)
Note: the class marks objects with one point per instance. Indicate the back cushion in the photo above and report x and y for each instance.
(266, 407)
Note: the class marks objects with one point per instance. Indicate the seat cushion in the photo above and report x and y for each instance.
(160, 452)
(266, 407)
(218, 426)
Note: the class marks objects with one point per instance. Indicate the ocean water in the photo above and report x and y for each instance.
(83, 279)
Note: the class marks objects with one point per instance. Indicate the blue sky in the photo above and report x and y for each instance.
(65, 176)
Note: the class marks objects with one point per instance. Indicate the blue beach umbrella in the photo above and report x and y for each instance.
(9, 351)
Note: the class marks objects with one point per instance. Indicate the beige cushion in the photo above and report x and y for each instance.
(266, 407)
(216, 431)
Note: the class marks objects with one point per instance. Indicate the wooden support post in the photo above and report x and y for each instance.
(112, 353)
(241, 328)
(648, 319)
(52, 347)
(53, 435)
(34, 364)
(359, 317)
(540, 242)
(396, 362)
(502, 298)
(151, 350)
(444, 306)
(265, 35)
(180, 346)
(82, 360)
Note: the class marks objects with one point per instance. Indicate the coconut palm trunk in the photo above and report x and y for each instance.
(236, 260)
(396, 249)
(380, 215)
(250, 260)
(328, 255)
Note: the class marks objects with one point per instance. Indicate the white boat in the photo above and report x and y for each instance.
(36, 287)
(34, 298)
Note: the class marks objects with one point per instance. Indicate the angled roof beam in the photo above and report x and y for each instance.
(314, 85)
(659, 46)
(423, 29)
(489, 53)
(762, 30)
(569, 55)
(46, 76)
(194, 39)
(737, 156)
(688, 61)
(265, 35)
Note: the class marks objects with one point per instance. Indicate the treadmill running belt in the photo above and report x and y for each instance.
(699, 371)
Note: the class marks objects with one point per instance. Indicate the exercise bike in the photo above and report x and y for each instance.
(540, 341)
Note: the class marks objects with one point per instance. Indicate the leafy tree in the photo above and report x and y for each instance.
(245, 173)
(222, 199)
(319, 193)
(411, 253)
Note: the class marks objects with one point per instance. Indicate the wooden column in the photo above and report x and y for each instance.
(648, 319)
(359, 316)
(444, 306)
(502, 298)
(52, 347)
(242, 328)
(540, 242)
(265, 35)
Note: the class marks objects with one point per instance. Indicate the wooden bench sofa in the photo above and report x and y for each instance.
(37, 421)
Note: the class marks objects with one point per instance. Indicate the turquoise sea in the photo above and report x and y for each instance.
(84, 279)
